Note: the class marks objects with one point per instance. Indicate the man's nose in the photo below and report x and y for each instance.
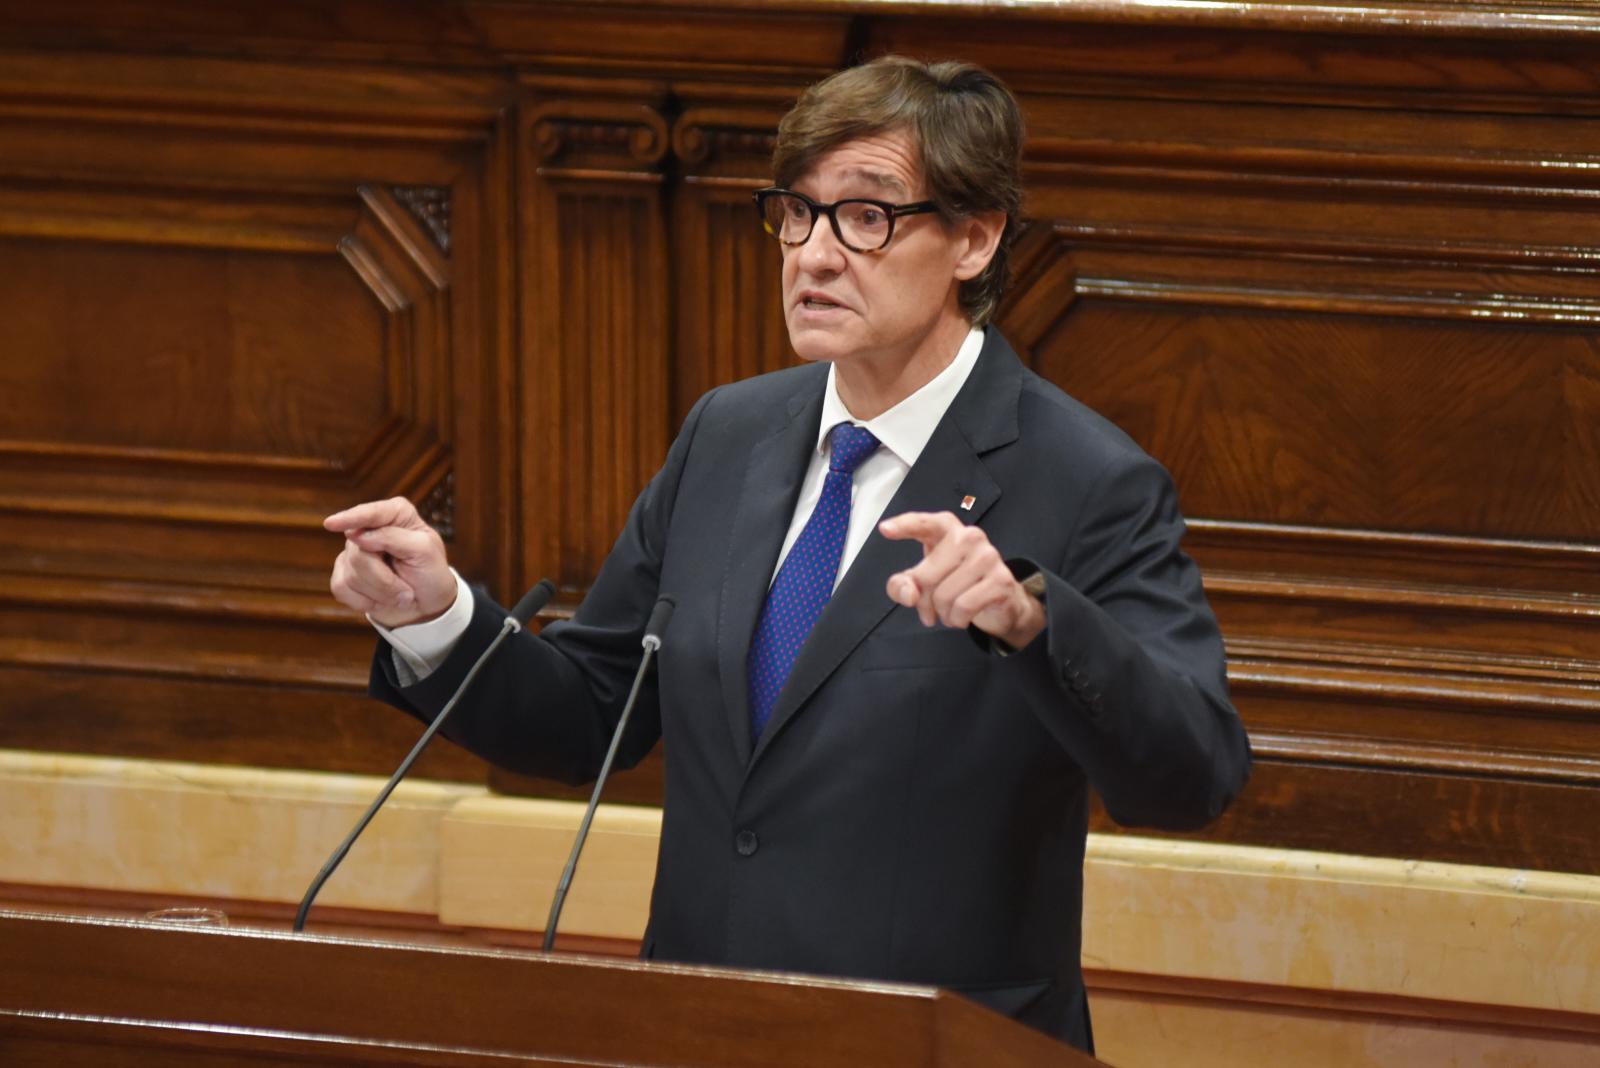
(821, 250)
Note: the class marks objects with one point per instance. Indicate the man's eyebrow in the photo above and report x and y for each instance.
(881, 179)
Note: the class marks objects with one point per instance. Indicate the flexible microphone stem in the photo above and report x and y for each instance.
(526, 609)
(652, 642)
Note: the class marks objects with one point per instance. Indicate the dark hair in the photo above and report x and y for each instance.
(968, 132)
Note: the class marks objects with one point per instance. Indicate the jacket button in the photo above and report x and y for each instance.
(746, 843)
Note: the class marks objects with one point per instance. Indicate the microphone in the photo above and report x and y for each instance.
(659, 618)
(526, 609)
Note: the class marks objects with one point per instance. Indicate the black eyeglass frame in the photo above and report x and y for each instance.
(891, 211)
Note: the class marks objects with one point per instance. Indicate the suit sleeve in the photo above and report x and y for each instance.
(1130, 673)
(547, 703)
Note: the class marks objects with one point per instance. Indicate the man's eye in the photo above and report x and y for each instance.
(872, 217)
(797, 209)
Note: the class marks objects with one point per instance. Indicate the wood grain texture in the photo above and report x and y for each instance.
(597, 340)
(1332, 801)
(382, 925)
(728, 305)
(224, 323)
(1333, 264)
(1110, 990)
(79, 984)
(1258, 409)
(1194, 1017)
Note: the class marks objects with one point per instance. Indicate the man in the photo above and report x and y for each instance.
(879, 736)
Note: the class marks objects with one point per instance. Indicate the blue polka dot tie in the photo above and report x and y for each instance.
(805, 581)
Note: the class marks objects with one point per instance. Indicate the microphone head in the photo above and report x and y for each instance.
(659, 618)
(533, 601)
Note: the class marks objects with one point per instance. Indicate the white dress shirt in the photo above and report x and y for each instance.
(902, 432)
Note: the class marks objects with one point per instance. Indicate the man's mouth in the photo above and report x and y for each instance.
(818, 304)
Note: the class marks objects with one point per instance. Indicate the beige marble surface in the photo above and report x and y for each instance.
(1332, 922)
(501, 859)
(191, 829)
(1194, 910)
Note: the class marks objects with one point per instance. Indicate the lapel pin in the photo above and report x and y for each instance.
(967, 502)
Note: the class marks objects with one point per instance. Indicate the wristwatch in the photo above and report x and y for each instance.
(1034, 584)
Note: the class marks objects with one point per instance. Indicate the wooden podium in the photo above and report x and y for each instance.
(116, 993)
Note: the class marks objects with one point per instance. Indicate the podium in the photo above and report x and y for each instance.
(120, 994)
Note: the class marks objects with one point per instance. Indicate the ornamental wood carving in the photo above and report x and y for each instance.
(207, 357)
(596, 339)
(730, 321)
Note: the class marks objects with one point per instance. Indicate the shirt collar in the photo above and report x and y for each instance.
(905, 429)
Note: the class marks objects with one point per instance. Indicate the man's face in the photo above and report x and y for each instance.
(877, 308)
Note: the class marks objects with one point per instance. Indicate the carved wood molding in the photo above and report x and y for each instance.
(1043, 286)
(1433, 759)
(1567, 607)
(1310, 246)
(315, 204)
(596, 318)
(601, 133)
(487, 32)
(1562, 687)
(438, 508)
(429, 205)
(390, 252)
(1359, 273)
(1528, 18)
(1342, 169)
(731, 276)
(1376, 684)
(231, 668)
(1352, 1005)
(256, 211)
(1341, 622)
(1462, 306)
(606, 138)
(84, 216)
(1411, 544)
(387, 248)
(180, 630)
(705, 135)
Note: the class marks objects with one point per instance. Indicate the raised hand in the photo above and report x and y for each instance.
(962, 580)
(393, 567)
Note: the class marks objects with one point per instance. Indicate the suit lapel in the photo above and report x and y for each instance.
(950, 469)
(761, 519)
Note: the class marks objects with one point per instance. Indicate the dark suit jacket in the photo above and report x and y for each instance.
(916, 808)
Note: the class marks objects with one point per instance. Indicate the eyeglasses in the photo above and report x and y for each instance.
(860, 225)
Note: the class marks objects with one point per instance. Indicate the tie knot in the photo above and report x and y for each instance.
(851, 445)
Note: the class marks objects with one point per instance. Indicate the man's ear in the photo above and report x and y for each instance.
(982, 232)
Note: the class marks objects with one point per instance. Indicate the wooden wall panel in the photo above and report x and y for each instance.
(1271, 400)
(595, 323)
(728, 292)
(205, 356)
(204, 328)
(1333, 265)
(1357, 329)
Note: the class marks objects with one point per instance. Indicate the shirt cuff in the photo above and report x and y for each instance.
(419, 648)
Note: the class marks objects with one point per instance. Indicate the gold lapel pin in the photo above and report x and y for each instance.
(967, 502)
